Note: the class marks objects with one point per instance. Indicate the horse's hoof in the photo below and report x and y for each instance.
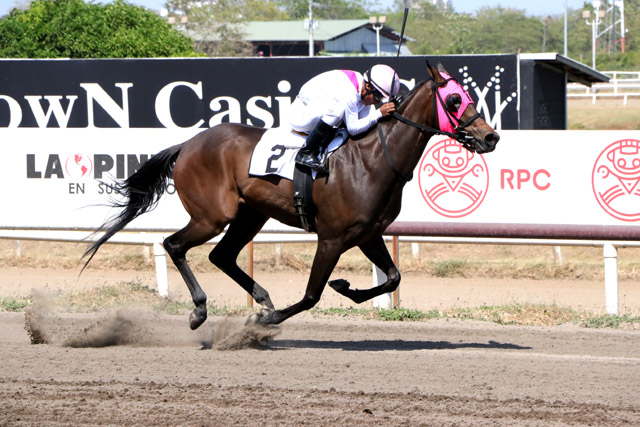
(252, 319)
(259, 318)
(197, 318)
(339, 285)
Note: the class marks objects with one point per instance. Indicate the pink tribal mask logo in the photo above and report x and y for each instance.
(453, 181)
(616, 178)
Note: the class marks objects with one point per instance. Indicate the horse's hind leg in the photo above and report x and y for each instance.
(378, 254)
(177, 246)
(225, 254)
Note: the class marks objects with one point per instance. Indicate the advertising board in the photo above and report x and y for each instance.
(202, 92)
(63, 177)
(69, 127)
(533, 177)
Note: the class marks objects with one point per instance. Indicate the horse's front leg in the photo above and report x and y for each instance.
(377, 252)
(326, 257)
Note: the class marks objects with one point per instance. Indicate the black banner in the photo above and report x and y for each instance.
(202, 92)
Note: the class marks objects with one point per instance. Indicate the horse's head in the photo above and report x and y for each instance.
(457, 114)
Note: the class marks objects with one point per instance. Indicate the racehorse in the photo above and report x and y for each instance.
(354, 204)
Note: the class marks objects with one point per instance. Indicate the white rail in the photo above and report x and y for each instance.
(623, 84)
(154, 239)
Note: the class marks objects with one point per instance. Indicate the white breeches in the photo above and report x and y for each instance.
(303, 117)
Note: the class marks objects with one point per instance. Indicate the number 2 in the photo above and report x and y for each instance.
(279, 151)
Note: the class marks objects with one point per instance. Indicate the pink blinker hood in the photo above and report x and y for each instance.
(450, 88)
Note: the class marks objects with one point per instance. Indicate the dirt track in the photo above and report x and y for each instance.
(319, 372)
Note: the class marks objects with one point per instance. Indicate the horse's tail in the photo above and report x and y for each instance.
(141, 193)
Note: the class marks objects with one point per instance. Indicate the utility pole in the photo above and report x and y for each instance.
(310, 28)
(377, 23)
(613, 39)
(594, 23)
(565, 27)
(310, 24)
(545, 33)
(623, 29)
(611, 14)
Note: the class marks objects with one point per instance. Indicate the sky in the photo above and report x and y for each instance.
(535, 7)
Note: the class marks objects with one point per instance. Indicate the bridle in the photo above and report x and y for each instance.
(460, 135)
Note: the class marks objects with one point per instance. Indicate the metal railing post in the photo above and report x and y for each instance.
(162, 274)
(611, 278)
(384, 301)
(396, 261)
(250, 271)
(390, 299)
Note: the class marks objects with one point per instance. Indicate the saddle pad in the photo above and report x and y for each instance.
(276, 151)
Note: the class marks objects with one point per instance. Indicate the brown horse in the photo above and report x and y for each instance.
(355, 203)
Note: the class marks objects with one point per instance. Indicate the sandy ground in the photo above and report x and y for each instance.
(317, 372)
(137, 367)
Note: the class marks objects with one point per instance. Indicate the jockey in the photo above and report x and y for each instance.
(340, 96)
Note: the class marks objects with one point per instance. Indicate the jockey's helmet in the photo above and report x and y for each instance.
(384, 79)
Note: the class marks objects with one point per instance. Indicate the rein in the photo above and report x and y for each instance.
(460, 135)
(385, 149)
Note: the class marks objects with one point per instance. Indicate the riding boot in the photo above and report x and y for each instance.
(320, 137)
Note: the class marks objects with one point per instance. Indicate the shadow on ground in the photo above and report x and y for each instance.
(384, 345)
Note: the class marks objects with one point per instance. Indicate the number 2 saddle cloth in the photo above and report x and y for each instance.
(276, 151)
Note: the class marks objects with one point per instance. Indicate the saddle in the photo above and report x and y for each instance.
(275, 154)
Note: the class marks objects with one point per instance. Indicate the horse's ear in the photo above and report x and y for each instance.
(433, 71)
(441, 69)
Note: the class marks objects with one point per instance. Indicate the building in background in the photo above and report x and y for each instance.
(331, 37)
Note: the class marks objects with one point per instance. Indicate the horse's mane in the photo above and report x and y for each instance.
(400, 100)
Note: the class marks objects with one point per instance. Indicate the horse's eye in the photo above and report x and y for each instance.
(453, 102)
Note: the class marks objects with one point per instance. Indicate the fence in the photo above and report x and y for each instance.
(623, 84)
(608, 237)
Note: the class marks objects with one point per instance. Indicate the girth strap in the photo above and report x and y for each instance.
(303, 197)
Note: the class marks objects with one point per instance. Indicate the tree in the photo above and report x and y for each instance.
(213, 25)
(20, 4)
(327, 9)
(580, 44)
(261, 10)
(632, 22)
(505, 30)
(437, 31)
(75, 29)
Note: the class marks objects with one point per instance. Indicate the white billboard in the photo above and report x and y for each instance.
(533, 177)
(63, 178)
(59, 178)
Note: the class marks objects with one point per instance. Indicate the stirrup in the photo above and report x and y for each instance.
(309, 159)
(324, 165)
(313, 163)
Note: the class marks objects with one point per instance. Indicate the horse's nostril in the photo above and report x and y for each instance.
(492, 138)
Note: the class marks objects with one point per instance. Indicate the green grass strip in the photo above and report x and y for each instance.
(135, 294)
